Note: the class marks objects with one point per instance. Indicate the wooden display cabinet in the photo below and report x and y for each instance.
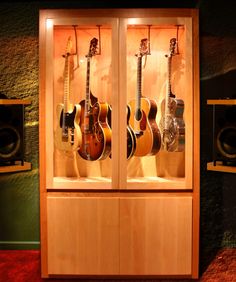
(117, 198)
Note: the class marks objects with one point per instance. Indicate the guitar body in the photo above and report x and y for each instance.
(68, 137)
(131, 138)
(148, 138)
(96, 133)
(172, 125)
(93, 99)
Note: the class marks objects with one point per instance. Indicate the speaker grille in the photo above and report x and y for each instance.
(226, 142)
(225, 134)
(11, 133)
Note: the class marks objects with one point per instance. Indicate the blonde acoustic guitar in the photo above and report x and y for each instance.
(143, 113)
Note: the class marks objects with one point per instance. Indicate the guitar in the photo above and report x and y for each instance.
(172, 125)
(68, 134)
(131, 138)
(96, 133)
(143, 113)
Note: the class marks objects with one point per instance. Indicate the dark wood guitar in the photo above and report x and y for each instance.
(96, 133)
(143, 113)
(68, 134)
(172, 124)
(131, 138)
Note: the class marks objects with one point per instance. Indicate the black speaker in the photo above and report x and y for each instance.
(224, 148)
(11, 134)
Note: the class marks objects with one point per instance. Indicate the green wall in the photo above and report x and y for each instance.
(19, 192)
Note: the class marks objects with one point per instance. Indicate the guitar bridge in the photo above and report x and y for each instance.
(72, 134)
(65, 134)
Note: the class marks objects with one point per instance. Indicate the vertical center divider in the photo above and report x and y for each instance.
(122, 104)
(115, 106)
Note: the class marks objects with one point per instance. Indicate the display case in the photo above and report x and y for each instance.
(119, 142)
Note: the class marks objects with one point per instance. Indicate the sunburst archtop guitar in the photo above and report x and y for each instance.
(96, 133)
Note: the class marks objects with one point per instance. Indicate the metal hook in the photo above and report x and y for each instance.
(76, 47)
(177, 39)
(99, 40)
(149, 40)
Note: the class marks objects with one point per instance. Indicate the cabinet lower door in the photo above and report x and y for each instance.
(119, 236)
(83, 235)
(156, 236)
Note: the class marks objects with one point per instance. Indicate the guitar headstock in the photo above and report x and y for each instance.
(68, 47)
(172, 46)
(93, 47)
(143, 49)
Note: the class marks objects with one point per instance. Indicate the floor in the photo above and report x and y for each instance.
(24, 266)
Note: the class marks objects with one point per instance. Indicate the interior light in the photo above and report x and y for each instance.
(49, 23)
(132, 21)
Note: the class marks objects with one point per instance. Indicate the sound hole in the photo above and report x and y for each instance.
(226, 142)
(9, 141)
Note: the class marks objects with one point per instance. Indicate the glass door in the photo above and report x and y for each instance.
(81, 91)
(157, 55)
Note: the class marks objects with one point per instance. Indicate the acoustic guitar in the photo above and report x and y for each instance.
(143, 113)
(131, 138)
(67, 135)
(172, 124)
(96, 133)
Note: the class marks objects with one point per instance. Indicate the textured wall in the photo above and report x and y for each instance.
(19, 192)
(19, 195)
(218, 76)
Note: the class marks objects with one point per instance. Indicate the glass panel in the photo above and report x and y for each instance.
(156, 97)
(82, 92)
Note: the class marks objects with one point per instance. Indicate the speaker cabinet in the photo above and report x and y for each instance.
(11, 134)
(225, 134)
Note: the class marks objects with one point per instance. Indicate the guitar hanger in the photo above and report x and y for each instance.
(99, 40)
(149, 40)
(76, 47)
(149, 44)
(177, 39)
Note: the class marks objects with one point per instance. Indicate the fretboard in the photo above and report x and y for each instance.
(139, 88)
(87, 98)
(66, 84)
(169, 93)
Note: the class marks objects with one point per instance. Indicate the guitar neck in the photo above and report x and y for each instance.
(139, 86)
(87, 98)
(169, 92)
(66, 85)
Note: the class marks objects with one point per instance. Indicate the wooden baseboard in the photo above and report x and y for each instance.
(19, 245)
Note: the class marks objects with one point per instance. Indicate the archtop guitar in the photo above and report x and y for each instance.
(96, 133)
